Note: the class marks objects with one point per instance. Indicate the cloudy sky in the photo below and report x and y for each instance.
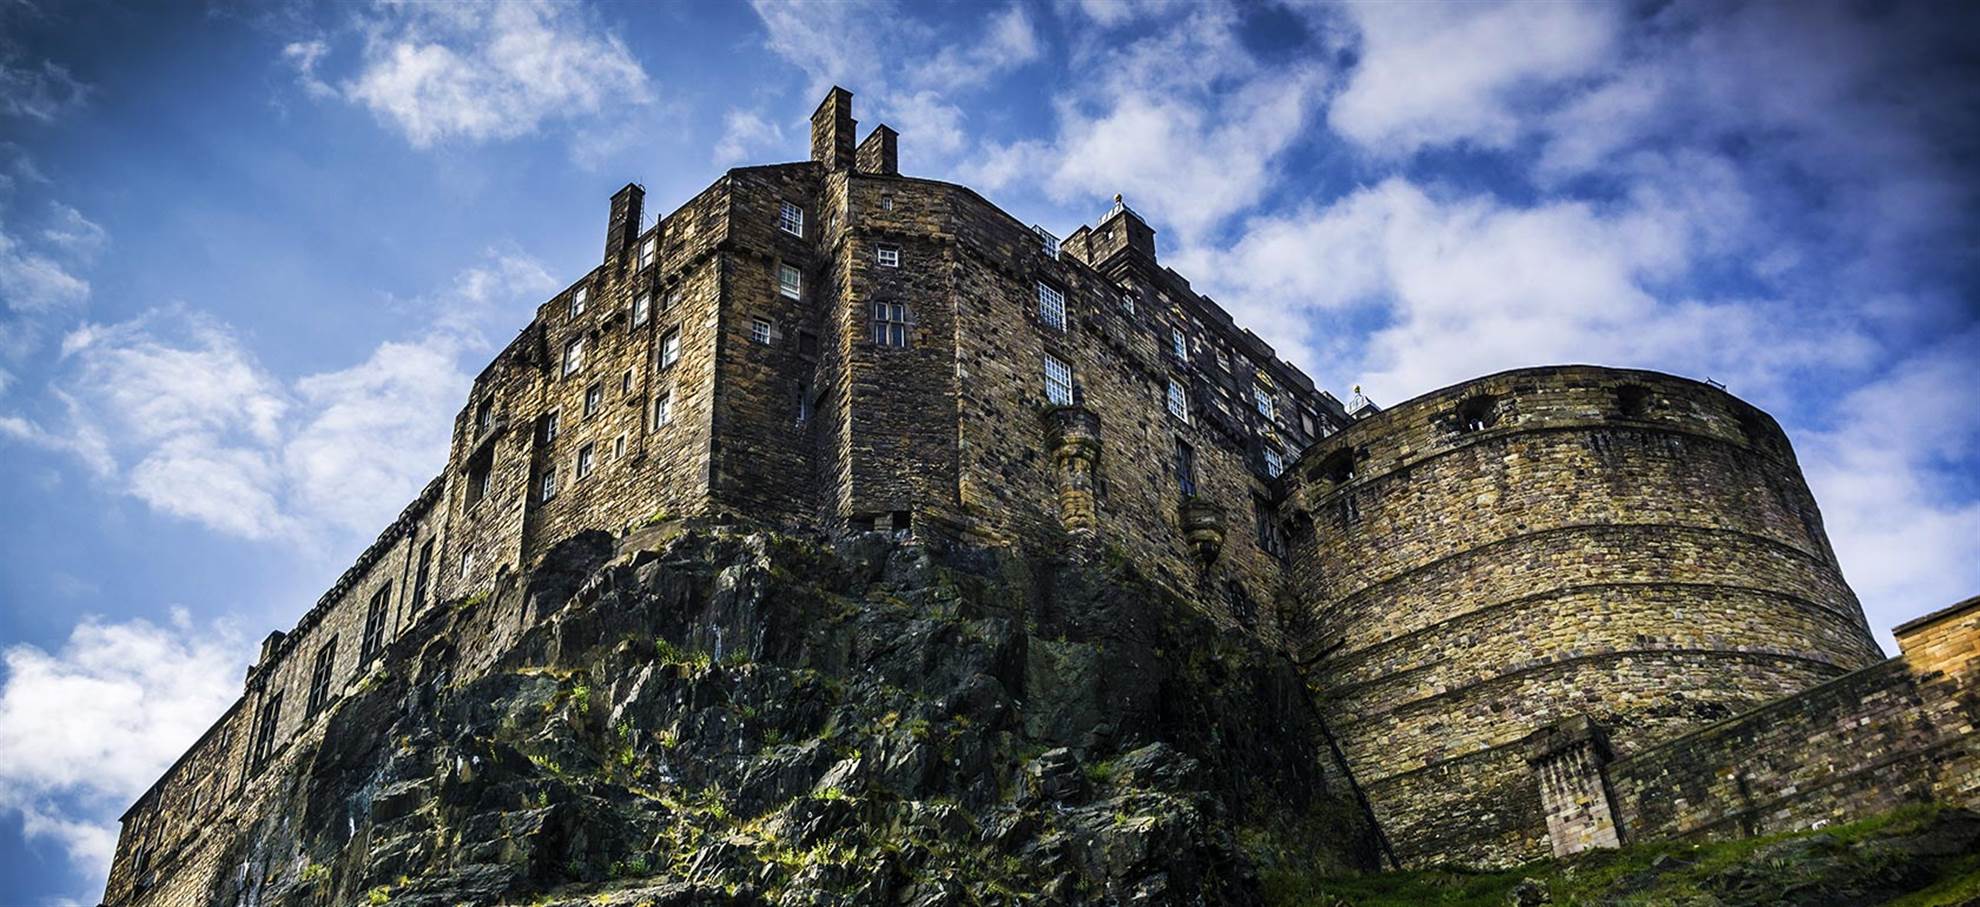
(251, 254)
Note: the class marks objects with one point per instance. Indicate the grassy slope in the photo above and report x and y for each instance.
(1900, 858)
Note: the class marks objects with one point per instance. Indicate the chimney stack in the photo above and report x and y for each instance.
(832, 127)
(880, 153)
(622, 231)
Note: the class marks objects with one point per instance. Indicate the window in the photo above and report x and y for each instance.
(480, 470)
(1047, 243)
(670, 348)
(549, 431)
(663, 410)
(648, 251)
(1178, 344)
(374, 625)
(1268, 406)
(467, 563)
(419, 579)
(1185, 468)
(1178, 400)
(890, 324)
(578, 299)
(265, 724)
(1274, 464)
(1051, 306)
(484, 415)
(1477, 413)
(319, 677)
(587, 460)
(547, 484)
(804, 402)
(759, 331)
(887, 256)
(1271, 538)
(594, 397)
(573, 355)
(625, 382)
(789, 281)
(1127, 302)
(642, 309)
(618, 447)
(886, 203)
(673, 299)
(791, 219)
(1058, 381)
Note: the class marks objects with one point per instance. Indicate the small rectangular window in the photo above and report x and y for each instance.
(594, 397)
(887, 256)
(549, 426)
(1178, 344)
(1058, 381)
(648, 251)
(578, 300)
(1185, 469)
(625, 382)
(759, 331)
(1047, 243)
(642, 309)
(670, 348)
(890, 324)
(1274, 464)
(1271, 538)
(618, 447)
(791, 219)
(548, 484)
(1127, 302)
(663, 410)
(1051, 306)
(1178, 400)
(886, 203)
(671, 300)
(1267, 404)
(484, 415)
(480, 472)
(789, 281)
(586, 461)
(573, 356)
(374, 625)
(320, 675)
(804, 402)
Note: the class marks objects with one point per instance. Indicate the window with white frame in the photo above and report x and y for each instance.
(670, 348)
(648, 251)
(890, 324)
(1178, 345)
(550, 426)
(587, 460)
(791, 219)
(789, 281)
(642, 309)
(573, 355)
(625, 383)
(578, 300)
(663, 409)
(548, 484)
(670, 300)
(1274, 464)
(1058, 381)
(594, 397)
(1051, 306)
(1178, 400)
(1268, 405)
(618, 447)
(1127, 302)
(759, 331)
(887, 256)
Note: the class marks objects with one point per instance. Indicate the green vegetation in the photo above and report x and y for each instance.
(315, 873)
(1876, 857)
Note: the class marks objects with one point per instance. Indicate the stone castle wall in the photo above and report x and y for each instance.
(1517, 550)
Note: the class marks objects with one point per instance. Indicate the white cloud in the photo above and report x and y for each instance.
(1184, 121)
(173, 409)
(85, 729)
(480, 72)
(39, 92)
(1434, 73)
(745, 132)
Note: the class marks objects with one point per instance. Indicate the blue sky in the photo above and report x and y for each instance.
(251, 254)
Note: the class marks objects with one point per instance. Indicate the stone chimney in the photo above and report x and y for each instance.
(622, 231)
(880, 153)
(832, 130)
(1120, 229)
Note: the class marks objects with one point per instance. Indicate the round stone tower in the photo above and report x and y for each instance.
(1541, 544)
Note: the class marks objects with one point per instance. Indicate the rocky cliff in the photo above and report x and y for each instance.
(700, 715)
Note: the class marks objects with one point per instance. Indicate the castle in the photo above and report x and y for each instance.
(1544, 610)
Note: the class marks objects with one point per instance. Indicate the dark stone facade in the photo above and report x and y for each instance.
(828, 347)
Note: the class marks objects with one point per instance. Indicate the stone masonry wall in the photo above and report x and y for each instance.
(1518, 550)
